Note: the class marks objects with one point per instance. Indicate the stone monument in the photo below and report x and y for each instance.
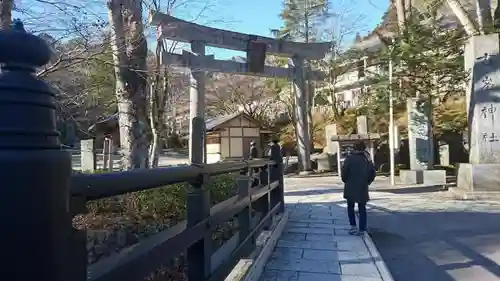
(482, 173)
(420, 142)
(336, 142)
(332, 148)
(362, 129)
(88, 160)
(444, 154)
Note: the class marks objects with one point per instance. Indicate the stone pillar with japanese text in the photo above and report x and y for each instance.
(482, 173)
(484, 100)
(420, 144)
(419, 135)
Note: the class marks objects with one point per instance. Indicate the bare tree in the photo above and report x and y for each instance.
(232, 93)
(344, 24)
(75, 31)
(167, 85)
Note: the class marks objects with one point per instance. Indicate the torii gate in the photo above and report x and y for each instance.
(256, 48)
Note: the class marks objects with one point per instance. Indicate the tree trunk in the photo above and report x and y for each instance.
(129, 56)
(462, 16)
(400, 12)
(156, 107)
(484, 16)
(5, 13)
(154, 149)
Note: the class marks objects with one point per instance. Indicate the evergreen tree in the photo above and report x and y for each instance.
(303, 19)
(427, 60)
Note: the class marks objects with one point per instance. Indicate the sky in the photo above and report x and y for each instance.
(247, 16)
(260, 16)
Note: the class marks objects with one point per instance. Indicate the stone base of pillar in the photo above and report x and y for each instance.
(305, 173)
(478, 181)
(325, 163)
(428, 177)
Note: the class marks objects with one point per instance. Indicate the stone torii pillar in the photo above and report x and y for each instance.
(197, 76)
(302, 125)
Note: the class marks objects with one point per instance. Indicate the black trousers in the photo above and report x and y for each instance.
(352, 215)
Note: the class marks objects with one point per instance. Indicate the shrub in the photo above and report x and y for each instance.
(115, 223)
(159, 207)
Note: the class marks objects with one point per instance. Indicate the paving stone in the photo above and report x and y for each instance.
(341, 221)
(318, 245)
(298, 217)
(309, 220)
(326, 215)
(320, 237)
(317, 266)
(352, 255)
(342, 231)
(306, 276)
(317, 230)
(293, 236)
(363, 268)
(322, 217)
(350, 244)
(329, 225)
(297, 224)
(359, 278)
(287, 253)
(320, 255)
(321, 224)
(279, 275)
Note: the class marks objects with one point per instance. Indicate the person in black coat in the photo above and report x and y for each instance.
(254, 152)
(358, 172)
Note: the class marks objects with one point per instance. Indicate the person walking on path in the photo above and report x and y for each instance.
(358, 172)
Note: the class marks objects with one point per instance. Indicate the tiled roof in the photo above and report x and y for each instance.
(211, 123)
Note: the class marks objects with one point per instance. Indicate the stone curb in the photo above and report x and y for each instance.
(250, 269)
(377, 258)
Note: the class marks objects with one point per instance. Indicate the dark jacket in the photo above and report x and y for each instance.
(358, 172)
(274, 153)
(254, 153)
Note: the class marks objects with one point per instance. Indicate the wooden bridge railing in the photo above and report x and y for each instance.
(39, 194)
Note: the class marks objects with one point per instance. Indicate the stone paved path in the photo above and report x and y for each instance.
(424, 234)
(315, 245)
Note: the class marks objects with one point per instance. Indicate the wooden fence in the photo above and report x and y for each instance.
(260, 191)
(40, 194)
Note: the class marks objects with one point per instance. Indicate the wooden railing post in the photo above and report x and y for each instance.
(198, 208)
(245, 216)
(276, 174)
(34, 169)
(264, 203)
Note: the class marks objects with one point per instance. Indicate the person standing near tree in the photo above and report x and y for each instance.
(358, 172)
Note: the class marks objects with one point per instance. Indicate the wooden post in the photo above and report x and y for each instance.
(244, 183)
(302, 127)
(276, 174)
(197, 106)
(107, 152)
